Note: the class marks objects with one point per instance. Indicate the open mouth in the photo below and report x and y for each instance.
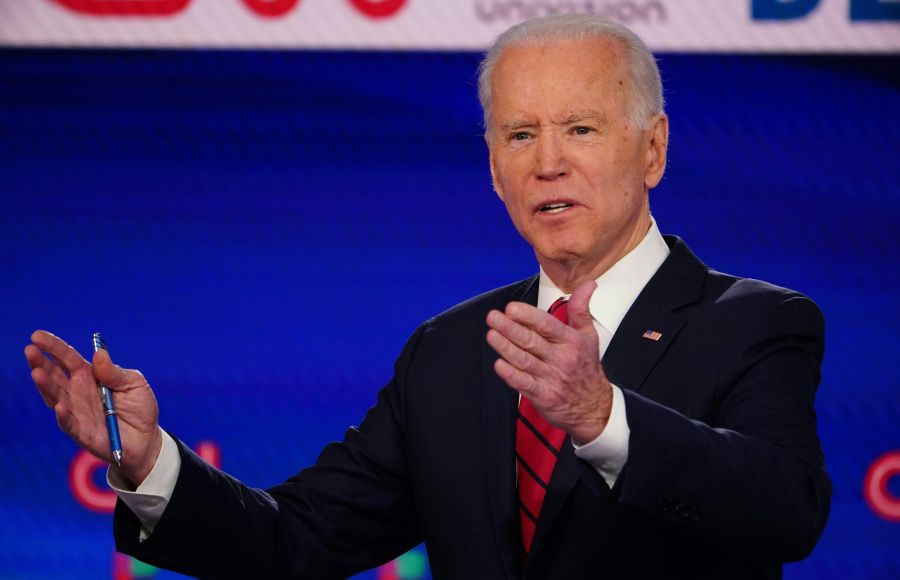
(555, 207)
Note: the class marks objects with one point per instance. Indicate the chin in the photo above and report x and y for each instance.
(561, 254)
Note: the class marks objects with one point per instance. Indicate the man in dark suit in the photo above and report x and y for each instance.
(502, 441)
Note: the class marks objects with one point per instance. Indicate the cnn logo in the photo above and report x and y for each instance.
(266, 8)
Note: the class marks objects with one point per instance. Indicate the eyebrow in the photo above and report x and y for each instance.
(584, 116)
(515, 125)
(573, 118)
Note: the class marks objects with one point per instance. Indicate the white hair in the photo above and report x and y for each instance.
(646, 98)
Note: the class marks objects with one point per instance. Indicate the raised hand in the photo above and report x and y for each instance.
(68, 385)
(556, 366)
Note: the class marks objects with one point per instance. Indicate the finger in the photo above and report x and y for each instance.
(523, 337)
(35, 357)
(546, 325)
(579, 306)
(62, 353)
(48, 390)
(521, 381)
(111, 375)
(37, 360)
(512, 354)
(48, 377)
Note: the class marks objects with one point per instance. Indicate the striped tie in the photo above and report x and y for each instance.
(537, 447)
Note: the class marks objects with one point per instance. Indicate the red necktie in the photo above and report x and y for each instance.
(537, 448)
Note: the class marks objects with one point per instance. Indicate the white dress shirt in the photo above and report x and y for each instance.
(617, 289)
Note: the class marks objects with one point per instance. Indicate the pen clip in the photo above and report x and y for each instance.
(98, 342)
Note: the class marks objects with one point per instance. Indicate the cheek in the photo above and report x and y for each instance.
(518, 161)
(619, 176)
(512, 176)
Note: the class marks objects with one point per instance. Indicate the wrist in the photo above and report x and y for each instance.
(137, 473)
(588, 431)
(596, 418)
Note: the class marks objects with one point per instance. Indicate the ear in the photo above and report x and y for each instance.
(491, 162)
(657, 148)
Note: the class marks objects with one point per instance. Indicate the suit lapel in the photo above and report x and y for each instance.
(628, 361)
(679, 281)
(630, 357)
(498, 409)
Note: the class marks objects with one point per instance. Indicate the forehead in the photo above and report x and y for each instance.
(560, 76)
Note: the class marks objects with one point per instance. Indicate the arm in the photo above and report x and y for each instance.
(753, 475)
(351, 511)
(750, 475)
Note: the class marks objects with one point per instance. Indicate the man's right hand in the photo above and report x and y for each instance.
(68, 384)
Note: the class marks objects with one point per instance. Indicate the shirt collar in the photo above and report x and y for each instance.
(618, 287)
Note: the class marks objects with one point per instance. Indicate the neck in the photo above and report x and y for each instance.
(568, 274)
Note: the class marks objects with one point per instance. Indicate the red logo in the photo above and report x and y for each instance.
(125, 7)
(378, 8)
(271, 8)
(875, 490)
(99, 499)
(267, 8)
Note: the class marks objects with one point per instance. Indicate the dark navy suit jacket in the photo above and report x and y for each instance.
(725, 475)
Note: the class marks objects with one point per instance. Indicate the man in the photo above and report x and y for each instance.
(691, 451)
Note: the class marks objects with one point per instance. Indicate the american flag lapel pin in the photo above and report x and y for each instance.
(652, 335)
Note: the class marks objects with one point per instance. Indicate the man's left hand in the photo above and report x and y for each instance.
(555, 366)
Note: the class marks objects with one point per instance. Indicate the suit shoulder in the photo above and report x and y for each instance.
(756, 297)
(454, 333)
(703, 289)
(477, 307)
(727, 287)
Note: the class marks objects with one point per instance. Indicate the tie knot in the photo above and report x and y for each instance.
(560, 309)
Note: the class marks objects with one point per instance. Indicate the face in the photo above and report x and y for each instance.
(572, 169)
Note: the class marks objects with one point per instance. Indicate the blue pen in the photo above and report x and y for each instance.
(112, 420)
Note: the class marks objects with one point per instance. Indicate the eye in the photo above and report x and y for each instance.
(519, 136)
(581, 130)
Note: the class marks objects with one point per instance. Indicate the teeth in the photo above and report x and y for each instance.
(555, 207)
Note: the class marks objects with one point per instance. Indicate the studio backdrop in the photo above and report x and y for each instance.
(257, 201)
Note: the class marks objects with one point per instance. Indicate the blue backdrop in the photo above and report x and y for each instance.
(259, 232)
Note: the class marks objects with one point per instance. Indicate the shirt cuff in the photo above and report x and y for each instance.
(608, 453)
(149, 500)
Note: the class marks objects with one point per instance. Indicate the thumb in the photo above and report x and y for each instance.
(111, 375)
(579, 306)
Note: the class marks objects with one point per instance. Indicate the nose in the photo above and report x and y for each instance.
(551, 160)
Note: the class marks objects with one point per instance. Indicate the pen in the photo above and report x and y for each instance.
(112, 421)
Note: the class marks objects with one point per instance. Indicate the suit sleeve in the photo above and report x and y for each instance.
(351, 511)
(754, 476)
